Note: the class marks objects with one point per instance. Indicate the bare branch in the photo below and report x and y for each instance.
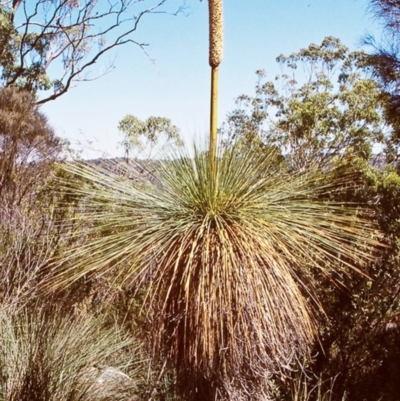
(72, 34)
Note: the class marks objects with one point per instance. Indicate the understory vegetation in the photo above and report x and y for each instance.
(262, 265)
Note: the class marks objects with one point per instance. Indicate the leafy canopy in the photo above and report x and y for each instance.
(383, 61)
(322, 106)
(146, 136)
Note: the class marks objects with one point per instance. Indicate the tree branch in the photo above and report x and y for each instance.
(64, 32)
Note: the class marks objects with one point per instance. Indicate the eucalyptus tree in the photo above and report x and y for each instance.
(27, 144)
(143, 137)
(384, 59)
(322, 107)
(48, 46)
(29, 151)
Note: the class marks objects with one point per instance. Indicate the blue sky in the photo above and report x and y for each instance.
(176, 84)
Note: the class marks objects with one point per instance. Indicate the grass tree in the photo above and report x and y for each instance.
(225, 264)
(224, 244)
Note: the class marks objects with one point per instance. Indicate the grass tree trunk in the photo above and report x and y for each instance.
(215, 58)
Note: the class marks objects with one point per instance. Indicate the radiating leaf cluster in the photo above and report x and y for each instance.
(225, 259)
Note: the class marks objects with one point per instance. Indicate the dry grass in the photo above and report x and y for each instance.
(46, 357)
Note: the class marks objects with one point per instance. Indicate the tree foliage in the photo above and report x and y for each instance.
(384, 59)
(47, 46)
(143, 136)
(27, 144)
(359, 335)
(29, 150)
(321, 107)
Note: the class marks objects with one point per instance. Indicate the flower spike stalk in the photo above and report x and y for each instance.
(215, 58)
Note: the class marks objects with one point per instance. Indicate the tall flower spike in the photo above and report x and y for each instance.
(215, 58)
(216, 32)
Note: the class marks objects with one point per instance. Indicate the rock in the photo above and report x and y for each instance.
(105, 383)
